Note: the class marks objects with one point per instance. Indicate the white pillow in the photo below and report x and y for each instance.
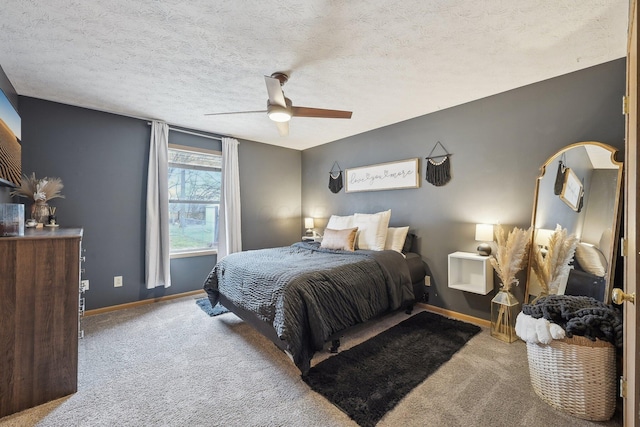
(372, 230)
(395, 238)
(340, 222)
(591, 259)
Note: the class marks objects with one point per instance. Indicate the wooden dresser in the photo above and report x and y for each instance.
(39, 292)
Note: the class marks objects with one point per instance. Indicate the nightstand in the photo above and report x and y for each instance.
(311, 239)
(470, 272)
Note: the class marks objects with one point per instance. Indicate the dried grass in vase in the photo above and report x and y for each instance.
(551, 267)
(512, 255)
(39, 190)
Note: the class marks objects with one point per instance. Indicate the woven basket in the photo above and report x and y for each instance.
(575, 375)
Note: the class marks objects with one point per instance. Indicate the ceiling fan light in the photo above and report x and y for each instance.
(279, 114)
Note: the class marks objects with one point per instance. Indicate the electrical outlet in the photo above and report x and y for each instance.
(425, 298)
(84, 284)
(117, 281)
(427, 280)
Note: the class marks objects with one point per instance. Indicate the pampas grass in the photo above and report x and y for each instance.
(549, 268)
(41, 190)
(512, 255)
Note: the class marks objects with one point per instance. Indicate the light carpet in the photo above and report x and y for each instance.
(169, 364)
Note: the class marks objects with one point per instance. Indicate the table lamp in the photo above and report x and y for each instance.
(541, 238)
(309, 225)
(484, 234)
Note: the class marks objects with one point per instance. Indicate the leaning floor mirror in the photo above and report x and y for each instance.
(578, 192)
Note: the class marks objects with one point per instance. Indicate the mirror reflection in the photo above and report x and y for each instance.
(579, 189)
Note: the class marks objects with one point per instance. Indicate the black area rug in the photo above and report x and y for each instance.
(369, 379)
(205, 305)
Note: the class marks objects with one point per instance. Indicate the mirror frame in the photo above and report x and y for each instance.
(617, 211)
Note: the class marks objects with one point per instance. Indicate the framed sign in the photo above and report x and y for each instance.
(571, 189)
(384, 176)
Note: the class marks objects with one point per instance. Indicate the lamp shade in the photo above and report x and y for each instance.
(308, 223)
(542, 237)
(484, 232)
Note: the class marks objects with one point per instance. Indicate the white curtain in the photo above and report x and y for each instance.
(156, 251)
(230, 237)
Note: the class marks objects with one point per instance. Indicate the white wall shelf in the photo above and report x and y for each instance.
(470, 272)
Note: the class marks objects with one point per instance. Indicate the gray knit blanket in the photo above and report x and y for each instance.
(578, 315)
(308, 293)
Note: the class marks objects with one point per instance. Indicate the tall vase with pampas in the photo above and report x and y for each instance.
(510, 257)
(552, 266)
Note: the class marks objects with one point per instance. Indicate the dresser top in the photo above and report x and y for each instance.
(47, 233)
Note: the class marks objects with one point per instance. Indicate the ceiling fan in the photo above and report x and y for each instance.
(280, 110)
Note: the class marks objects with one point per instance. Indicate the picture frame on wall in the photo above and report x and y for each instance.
(10, 144)
(395, 175)
(571, 189)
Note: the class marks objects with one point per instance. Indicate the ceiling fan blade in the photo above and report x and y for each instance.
(283, 128)
(236, 112)
(320, 112)
(274, 89)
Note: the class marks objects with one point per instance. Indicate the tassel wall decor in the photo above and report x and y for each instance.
(438, 172)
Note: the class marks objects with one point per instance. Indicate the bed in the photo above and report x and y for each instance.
(588, 275)
(305, 295)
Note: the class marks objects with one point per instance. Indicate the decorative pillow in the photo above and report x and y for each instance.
(340, 222)
(591, 259)
(339, 239)
(395, 238)
(372, 230)
(408, 243)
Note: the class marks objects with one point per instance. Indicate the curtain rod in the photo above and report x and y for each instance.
(217, 138)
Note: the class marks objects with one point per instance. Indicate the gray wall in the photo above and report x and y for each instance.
(598, 209)
(270, 187)
(498, 144)
(102, 160)
(10, 92)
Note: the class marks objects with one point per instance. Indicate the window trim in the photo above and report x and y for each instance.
(195, 252)
(195, 149)
(189, 254)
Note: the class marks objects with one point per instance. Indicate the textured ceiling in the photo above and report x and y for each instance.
(387, 61)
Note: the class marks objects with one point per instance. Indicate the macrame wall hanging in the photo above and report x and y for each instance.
(438, 167)
(560, 175)
(335, 178)
(581, 199)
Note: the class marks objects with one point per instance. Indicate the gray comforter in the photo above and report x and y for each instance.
(308, 293)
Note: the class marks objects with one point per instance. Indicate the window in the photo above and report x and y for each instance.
(194, 200)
